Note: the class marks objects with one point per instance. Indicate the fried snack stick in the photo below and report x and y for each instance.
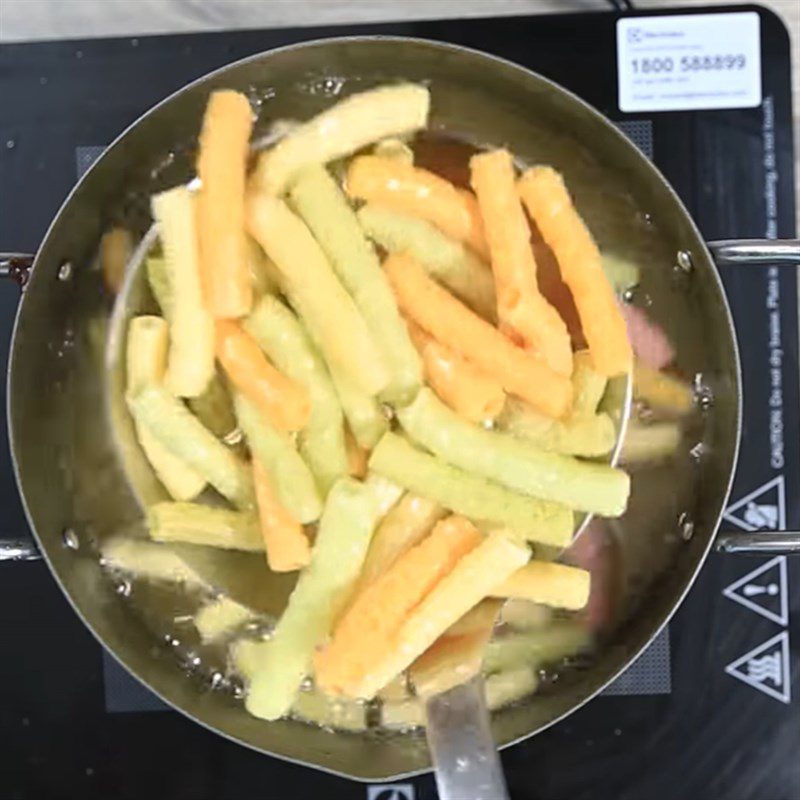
(193, 523)
(186, 437)
(282, 337)
(221, 167)
(456, 656)
(357, 456)
(468, 583)
(450, 262)
(545, 196)
(212, 407)
(419, 193)
(548, 583)
(282, 401)
(469, 494)
(146, 358)
(500, 689)
(454, 325)
(191, 353)
(557, 640)
(468, 390)
(661, 391)
(312, 287)
(322, 205)
(344, 128)
(364, 632)
(406, 525)
(289, 476)
(286, 545)
(363, 412)
(583, 433)
(324, 586)
(520, 305)
(512, 462)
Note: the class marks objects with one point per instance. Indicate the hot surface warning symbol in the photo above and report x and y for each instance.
(763, 509)
(766, 668)
(764, 590)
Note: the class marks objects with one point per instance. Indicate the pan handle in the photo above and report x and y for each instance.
(760, 543)
(467, 765)
(758, 253)
(17, 267)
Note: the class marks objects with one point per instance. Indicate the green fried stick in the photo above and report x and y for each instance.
(469, 494)
(282, 337)
(363, 412)
(518, 465)
(590, 436)
(588, 386)
(552, 643)
(449, 262)
(193, 523)
(160, 284)
(183, 434)
(294, 484)
(284, 661)
(214, 408)
(323, 206)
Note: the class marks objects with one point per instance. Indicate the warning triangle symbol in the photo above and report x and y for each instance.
(764, 590)
(762, 509)
(766, 668)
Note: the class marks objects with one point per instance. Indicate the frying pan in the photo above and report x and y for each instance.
(70, 476)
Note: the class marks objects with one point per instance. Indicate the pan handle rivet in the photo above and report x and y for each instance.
(686, 524)
(685, 261)
(65, 271)
(70, 539)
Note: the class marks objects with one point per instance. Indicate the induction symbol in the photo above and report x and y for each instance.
(766, 668)
(760, 669)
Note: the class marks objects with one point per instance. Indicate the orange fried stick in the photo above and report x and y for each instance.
(454, 595)
(419, 193)
(520, 305)
(548, 202)
(282, 401)
(286, 545)
(454, 325)
(468, 390)
(364, 633)
(221, 166)
(456, 656)
(408, 522)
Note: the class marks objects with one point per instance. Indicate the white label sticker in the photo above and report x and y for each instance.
(689, 62)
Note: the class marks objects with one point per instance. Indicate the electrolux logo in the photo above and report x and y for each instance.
(635, 35)
(639, 35)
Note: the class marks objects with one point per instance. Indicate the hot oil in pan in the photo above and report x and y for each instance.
(624, 555)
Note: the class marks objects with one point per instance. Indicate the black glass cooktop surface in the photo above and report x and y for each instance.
(709, 711)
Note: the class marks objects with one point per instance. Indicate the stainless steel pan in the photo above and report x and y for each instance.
(70, 475)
